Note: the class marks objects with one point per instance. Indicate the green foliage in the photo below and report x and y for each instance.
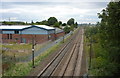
(32, 22)
(67, 29)
(64, 24)
(57, 24)
(72, 27)
(44, 22)
(106, 60)
(52, 21)
(109, 28)
(76, 25)
(20, 69)
(13, 23)
(70, 21)
(60, 22)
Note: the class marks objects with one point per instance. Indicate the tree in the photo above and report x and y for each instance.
(52, 21)
(67, 29)
(64, 24)
(70, 21)
(109, 29)
(57, 24)
(76, 25)
(60, 22)
(72, 27)
(32, 22)
(44, 22)
(13, 23)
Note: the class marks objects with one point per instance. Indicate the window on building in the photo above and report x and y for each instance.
(10, 36)
(0, 31)
(7, 36)
(16, 32)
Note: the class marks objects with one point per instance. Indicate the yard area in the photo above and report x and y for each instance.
(19, 50)
(16, 49)
(12, 52)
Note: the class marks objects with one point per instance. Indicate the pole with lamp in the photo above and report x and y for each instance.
(33, 44)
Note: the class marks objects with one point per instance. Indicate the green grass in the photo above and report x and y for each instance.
(20, 49)
(19, 69)
(17, 49)
(17, 46)
(87, 50)
(39, 46)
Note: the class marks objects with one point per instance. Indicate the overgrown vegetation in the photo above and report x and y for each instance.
(105, 38)
(22, 69)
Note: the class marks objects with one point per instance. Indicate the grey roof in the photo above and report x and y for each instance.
(58, 30)
(14, 27)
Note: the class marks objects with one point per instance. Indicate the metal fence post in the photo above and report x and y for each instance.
(63, 38)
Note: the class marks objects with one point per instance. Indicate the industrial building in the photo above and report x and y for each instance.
(29, 33)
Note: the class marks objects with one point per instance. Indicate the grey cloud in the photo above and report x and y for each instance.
(56, 0)
(62, 10)
(82, 5)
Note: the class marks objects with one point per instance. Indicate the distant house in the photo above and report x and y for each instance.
(28, 33)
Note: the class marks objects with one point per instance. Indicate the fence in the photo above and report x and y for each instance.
(43, 47)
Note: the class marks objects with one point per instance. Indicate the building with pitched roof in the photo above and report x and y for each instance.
(28, 33)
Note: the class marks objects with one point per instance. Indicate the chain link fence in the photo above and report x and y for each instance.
(12, 59)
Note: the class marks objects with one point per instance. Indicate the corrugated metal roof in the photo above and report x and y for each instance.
(58, 30)
(13, 27)
(45, 27)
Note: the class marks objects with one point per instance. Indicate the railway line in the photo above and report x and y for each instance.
(68, 60)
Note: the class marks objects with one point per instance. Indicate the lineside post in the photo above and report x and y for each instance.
(33, 52)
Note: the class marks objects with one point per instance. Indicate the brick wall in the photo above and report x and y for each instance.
(25, 38)
(17, 38)
(60, 34)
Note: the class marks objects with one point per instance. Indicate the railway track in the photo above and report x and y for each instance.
(68, 60)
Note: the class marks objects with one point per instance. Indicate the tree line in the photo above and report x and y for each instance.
(105, 37)
(52, 21)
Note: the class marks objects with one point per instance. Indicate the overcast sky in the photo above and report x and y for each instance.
(38, 10)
